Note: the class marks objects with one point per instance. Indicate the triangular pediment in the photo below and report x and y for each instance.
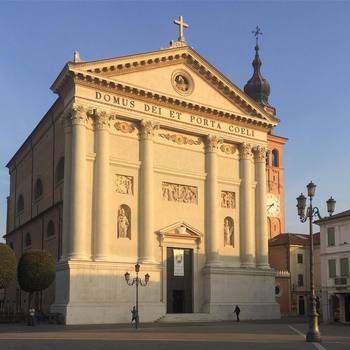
(177, 75)
(180, 229)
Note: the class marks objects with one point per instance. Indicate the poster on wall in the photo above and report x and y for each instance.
(179, 269)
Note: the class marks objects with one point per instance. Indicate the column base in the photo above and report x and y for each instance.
(248, 265)
(148, 260)
(78, 257)
(101, 258)
(263, 266)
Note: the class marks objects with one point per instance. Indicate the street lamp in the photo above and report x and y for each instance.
(137, 281)
(313, 334)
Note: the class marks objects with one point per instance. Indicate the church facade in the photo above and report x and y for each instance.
(155, 158)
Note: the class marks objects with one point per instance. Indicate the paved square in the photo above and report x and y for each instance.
(219, 336)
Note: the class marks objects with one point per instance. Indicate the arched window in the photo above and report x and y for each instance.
(60, 170)
(50, 229)
(28, 240)
(20, 204)
(38, 189)
(274, 158)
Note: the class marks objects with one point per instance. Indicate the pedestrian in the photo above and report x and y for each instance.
(134, 316)
(31, 319)
(237, 310)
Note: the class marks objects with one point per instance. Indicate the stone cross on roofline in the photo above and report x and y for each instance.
(180, 22)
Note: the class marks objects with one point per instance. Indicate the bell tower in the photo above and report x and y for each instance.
(258, 88)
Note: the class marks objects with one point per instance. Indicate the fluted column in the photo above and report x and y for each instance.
(102, 232)
(247, 238)
(212, 200)
(146, 208)
(67, 125)
(261, 236)
(78, 244)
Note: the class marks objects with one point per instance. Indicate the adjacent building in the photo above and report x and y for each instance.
(335, 257)
(289, 255)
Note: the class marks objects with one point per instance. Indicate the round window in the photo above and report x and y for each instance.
(278, 290)
(182, 82)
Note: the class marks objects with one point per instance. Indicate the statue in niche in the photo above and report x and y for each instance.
(124, 215)
(228, 232)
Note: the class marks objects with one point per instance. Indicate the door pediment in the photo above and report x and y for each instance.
(179, 231)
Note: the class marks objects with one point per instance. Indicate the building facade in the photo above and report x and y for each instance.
(334, 257)
(289, 255)
(154, 158)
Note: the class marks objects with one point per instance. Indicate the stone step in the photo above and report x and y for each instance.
(191, 317)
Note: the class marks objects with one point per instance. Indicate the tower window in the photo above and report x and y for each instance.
(274, 158)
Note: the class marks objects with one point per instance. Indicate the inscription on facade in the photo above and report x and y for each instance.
(179, 193)
(155, 110)
(124, 184)
(228, 199)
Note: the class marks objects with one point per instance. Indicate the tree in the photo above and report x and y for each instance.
(7, 266)
(36, 271)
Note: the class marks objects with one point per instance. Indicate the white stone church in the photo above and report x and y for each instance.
(164, 165)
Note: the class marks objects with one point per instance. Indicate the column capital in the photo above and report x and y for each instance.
(75, 115)
(260, 153)
(245, 151)
(213, 142)
(100, 117)
(147, 129)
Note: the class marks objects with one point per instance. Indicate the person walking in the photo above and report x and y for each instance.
(237, 310)
(134, 316)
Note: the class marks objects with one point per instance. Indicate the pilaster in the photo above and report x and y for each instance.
(212, 200)
(246, 207)
(78, 245)
(102, 232)
(67, 126)
(146, 208)
(261, 235)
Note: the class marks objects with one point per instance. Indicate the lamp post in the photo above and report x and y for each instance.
(313, 335)
(137, 281)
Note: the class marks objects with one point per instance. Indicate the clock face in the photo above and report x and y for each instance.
(272, 205)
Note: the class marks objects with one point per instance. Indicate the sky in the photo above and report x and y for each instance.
(305, 51)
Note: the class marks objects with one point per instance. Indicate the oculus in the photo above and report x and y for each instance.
(182, 82)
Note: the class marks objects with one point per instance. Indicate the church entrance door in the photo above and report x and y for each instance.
(179, 280)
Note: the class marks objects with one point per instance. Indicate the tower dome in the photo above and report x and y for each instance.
(258, 88)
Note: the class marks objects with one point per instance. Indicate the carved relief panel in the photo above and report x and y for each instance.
(228, 199)
(124, 222)
(124, 184)
(179, 193)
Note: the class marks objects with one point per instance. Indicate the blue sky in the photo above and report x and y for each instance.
(305, 51)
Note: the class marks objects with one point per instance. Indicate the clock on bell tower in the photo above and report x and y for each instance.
(275, 187)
